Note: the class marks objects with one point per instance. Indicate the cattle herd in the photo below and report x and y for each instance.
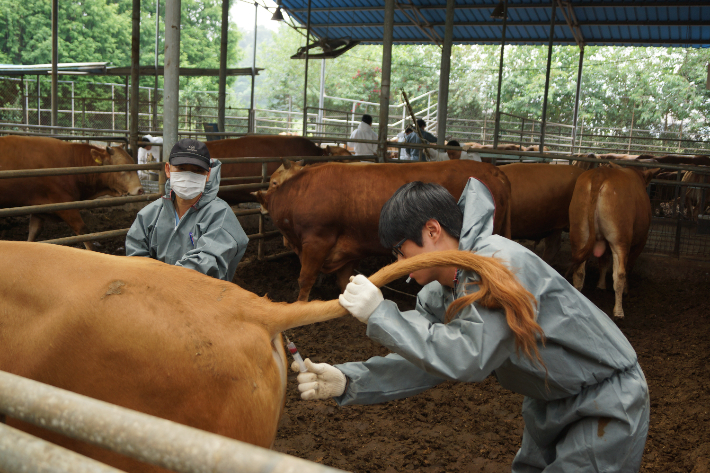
(163, 340)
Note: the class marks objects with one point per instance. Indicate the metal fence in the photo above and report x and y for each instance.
(139, 436)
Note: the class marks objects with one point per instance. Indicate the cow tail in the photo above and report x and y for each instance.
(594, 189)
(499, 288)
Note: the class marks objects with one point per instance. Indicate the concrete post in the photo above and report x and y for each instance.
(135, 56)
(385, 85)
(157, 37)
(547, 77)
(321, 98)
(171, 80)
(442, 108)
(222, 90)
(55, 60)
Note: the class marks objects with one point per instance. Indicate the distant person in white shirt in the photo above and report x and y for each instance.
(364, 132)
(461, 154)
(402, 138)
(149, 154)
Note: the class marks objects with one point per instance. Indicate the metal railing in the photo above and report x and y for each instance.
(139, 436)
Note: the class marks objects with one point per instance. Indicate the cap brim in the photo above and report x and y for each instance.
(178, 160)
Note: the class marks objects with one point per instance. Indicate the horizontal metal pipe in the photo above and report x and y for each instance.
(244, 187)
(79, 205)
(87, 237)
(278, 255)
(241, 213)
(21, 452)
(67, 137)
(143, 437)
(258, 236)
(68, 171)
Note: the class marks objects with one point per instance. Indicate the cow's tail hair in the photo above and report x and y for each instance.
(585, 252)
(499, 288)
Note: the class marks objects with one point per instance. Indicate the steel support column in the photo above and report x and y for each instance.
(135, 59)
(171, 82)
(222, 88)
(500, 75)
(442, 109)
(305, 76)
(252, 114)
(55, 60)
(155, 92)
(576, 98)
(387, 38)
(321, 98)
(547, 77)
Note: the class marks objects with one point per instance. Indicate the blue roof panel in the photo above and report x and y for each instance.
(629, 23)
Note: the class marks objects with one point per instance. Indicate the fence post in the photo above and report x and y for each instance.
(113, 111)
(83, 114)
(680, 137)
(24, 102)
(631, 131)
(72, 103)
(39, 107)
(522, 131)
(126, 103)
(290, 110)
(679, 215)
(483, 137)
(260, 243)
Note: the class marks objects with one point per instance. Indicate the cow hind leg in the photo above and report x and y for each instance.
(604, 263)
(313, 255)
(578, 275)
(35, 227)
(620, 258)
(552, 246)
(344, 273)
(74, 220)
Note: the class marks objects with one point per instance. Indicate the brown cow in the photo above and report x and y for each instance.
(330, 213)
(610, 215)
(161, 339)
(694, 196)
(18, 152)
(535, 148)
(256, 146)
(540, 197)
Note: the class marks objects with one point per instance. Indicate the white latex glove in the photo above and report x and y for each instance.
(321, 381)
(361, 298)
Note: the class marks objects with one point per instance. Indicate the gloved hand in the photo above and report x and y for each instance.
(361, 298)
(321, 381)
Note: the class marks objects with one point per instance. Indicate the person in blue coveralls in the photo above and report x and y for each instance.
(586, 405)
(190, 226)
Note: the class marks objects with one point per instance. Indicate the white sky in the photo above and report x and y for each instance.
(242, 13)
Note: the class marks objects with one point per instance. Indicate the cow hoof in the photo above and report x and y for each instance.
(619, 314)
(601, 286)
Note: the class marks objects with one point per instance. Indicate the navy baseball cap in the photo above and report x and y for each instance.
(189, 151)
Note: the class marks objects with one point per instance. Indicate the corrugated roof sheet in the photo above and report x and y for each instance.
(618, 23)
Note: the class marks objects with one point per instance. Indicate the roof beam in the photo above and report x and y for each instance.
(611, 42)
(606, 4)
(427, 28)
(573, 19)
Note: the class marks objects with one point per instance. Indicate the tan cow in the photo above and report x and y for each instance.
(609, 216)
(20, 152)
(169, 341)
(539, 202)
(694, 197)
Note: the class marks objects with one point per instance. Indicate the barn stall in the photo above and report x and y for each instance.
(466, 427)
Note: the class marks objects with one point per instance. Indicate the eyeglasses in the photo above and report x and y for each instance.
(396, 252)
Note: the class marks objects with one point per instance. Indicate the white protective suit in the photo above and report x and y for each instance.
(588, 413)
(150, 156)
(363, 132)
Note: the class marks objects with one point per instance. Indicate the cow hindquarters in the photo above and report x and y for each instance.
(314, 252)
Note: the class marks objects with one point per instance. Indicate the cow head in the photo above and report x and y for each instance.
(118, 183)
(260, 197)
(284, 172)
(648, 174)
(336, 151)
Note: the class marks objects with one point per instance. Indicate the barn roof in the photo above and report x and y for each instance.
(681, 23)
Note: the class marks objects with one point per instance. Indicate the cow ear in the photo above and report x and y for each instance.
(328, 152)
(300, 162)
(287, 164)
(649, 174)
(110, 151)
(615, 166)
(97, 156)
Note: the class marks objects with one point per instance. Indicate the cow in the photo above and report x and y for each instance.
(586, 165)
(540, 197)
(256, 146)
(697, 160)
(329, 213)
(165, 340)
(609, 216)
(694, 196)
(535, 148)
(30, 152)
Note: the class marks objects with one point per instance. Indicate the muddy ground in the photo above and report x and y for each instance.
(474, 427)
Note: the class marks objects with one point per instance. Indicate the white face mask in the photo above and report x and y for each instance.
(187, 185)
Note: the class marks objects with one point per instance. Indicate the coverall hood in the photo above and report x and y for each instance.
(478, 209)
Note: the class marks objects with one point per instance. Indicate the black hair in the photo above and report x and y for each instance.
(408, 129)
(145, 138)
(421, 123)
(367, 119)
(414, 204)
(453, 143)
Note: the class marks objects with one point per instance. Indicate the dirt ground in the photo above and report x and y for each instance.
(459, 427)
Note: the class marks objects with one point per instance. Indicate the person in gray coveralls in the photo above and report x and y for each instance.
(190, 226)
(586, 405)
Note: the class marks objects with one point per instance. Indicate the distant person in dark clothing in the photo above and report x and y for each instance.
(414, 138)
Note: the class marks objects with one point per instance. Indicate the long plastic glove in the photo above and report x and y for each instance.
(361, 298)
(321, 381)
